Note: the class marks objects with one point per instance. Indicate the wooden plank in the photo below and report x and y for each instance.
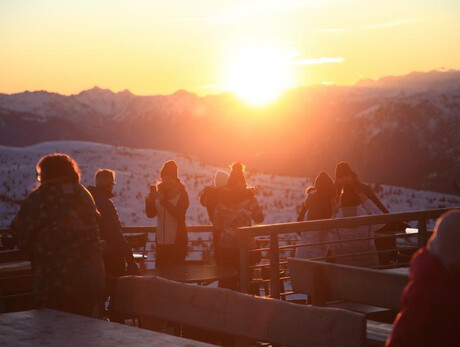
(377, 333)
(348, 283)
(240, 315)
(55, 328)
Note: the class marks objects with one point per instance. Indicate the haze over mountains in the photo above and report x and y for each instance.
(399, 130)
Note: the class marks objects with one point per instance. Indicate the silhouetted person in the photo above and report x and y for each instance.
(345, 175)
(209, 197)
(57, 227)
(237, 207)
(168, 201)
(320, 203)
(352, 205)
(430, 313)
(117, 253)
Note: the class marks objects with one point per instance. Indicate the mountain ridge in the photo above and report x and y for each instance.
(407, 137)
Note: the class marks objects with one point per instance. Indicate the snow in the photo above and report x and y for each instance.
(280, 196)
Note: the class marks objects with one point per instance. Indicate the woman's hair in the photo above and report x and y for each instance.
(343, 169)
(57, 165)
(237, 176)
(349, 196)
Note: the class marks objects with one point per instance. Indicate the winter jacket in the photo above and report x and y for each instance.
(430, 314)
(57, 226)
(366, 190)
(236, 207)
(352, 247)
(170, 208)
(316, 206)
(118, 250)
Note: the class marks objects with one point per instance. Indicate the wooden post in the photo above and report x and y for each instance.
(274, 267)
(422, 234)
(244, 265)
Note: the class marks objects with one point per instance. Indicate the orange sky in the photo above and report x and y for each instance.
(158, 47)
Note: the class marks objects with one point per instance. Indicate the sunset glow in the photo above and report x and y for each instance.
(152, 47)
(258, 75)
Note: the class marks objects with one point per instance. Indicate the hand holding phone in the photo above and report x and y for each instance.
(153, 193)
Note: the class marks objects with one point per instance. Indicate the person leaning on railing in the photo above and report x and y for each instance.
(320, 203)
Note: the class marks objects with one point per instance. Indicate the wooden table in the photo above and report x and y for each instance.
(55, 328)
(192, 273)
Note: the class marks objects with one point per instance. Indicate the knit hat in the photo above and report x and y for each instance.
(169, 169)
(445, 242)
(220, 178)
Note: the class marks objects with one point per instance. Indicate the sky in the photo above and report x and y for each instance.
(210, 46)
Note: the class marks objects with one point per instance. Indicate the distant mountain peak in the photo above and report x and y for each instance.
(416, 80)
(97, 91)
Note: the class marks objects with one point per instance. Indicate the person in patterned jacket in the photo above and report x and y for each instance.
(237, 207)
(57, 228)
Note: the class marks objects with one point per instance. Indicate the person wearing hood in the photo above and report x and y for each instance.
(430, 313)
(57, 228)
(168, 201)
(236, 207)
(320, 204)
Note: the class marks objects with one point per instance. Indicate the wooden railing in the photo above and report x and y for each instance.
(274, 230)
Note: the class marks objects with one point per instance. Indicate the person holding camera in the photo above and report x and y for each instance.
(168, 201)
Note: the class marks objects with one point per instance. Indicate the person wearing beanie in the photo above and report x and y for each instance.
(168, 201)
(352, 205)
(320, 204)
(430, 313)
(236, 207)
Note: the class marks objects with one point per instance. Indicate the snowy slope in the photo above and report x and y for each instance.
(137, 168)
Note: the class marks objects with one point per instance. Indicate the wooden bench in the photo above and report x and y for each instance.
(352, 288)
(243, 317)
(16, 282)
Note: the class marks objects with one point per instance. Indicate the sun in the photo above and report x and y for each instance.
(258, 75)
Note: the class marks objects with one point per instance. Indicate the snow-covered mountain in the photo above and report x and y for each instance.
(280, 196)
(402, 130)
